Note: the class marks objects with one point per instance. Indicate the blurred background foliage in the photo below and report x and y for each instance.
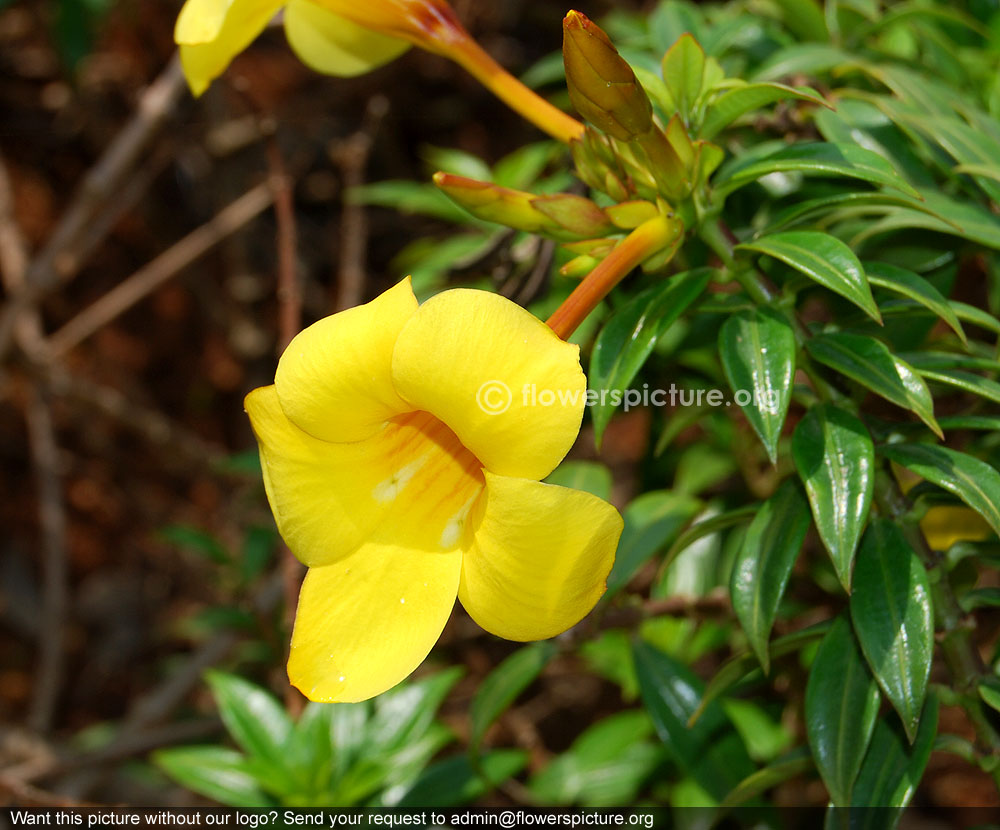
(167, 565)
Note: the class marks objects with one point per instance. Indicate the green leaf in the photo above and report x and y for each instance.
(707, 527)
(869, 362)
(456, 781)
(893, 619)
(975, 482)
(683, 71)
(651, 521)
(253, 716)
(197, 541)
(740, 100)
(990, 696)
(835, 458)
(214, 772)
(810, 59)
(629, 337)
(258, 547)
(502, 685)
(404, 713)
(893, 767)
(815, 159)
(822, 258)
(805, 19)
(975, 316)
(841, 706)
(739, 667)
(757, 349)
(906, 283)
(980, 598)
(605, 766)
(406, 196)
(868, 200)
(589, 476)
(348, 733)
(966, 381)
(764, 564)
(793, 764)
(710, 751)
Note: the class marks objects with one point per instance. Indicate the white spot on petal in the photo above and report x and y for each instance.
(387, 490)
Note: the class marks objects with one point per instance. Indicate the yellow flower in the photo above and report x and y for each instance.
(351, 37)
(211, 33)
(402, 448)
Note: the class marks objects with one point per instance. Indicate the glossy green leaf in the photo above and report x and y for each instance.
(975, 316)
(869, 362)
(589, 476)
(197, 541)
(764, 564)
(757, 349)
(822, 258)
(651, 521)
(456, 781)
(793, 764)
(869, 201)
(816, 159)
(893, 619)
(835, 458)
(708, 527)
(253, 716)
(990, 696)
(975, 482)
(710, 752)
(216, 773)
(740, 100)
(893, 767)
(907, 284)
(841, 706)
(966, 381)
(629, 337)
(683, 71)
(502, 685)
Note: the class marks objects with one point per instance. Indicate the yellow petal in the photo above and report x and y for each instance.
(511, 390)
(334, 379)
(540, 558)
(430, 24)
(365, 623)
(412, 484)
(333, 45)
(212, 32)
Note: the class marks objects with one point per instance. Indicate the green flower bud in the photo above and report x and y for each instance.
(602, 86)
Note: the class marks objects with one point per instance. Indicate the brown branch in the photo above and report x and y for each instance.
(60, 259)
(351, 155)
(289, 287)
(161, 269)
(27, 328)
(147, 423)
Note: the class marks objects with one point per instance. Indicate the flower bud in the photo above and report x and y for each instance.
(602, 86)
